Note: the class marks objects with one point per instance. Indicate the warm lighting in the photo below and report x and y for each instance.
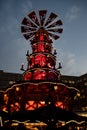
(60, 123)
(78, 94)
(30, 105)
(41, 104)
(82, 114)
(11, 82)
(78, 128)
(5, 95)
(35, 126)
(55, 87)
(12, 105)
(59, 104)
(49, 102)
(17, 88)
(4, 108)
(14, 124)
(15, 107)
(63, 123)
(5, 98)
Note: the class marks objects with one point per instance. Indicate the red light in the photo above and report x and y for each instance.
(30, 105)
(28, 76)
(41, 37)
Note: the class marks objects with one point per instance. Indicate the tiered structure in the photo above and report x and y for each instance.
(41, 71)
(41, 84)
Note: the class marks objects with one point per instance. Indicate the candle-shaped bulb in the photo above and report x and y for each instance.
(22, 66)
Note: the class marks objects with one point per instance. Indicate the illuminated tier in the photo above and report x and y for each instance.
(41, 63)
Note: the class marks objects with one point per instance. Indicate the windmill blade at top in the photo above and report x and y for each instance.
(42, 14)
(50, 18)
(29, 35)
(32, 24)
(28, 23)
(57, 23)
(34, 18)
(59, 30)
(54, 36)
(27, 29)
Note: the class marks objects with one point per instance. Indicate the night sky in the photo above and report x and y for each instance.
(71, 47)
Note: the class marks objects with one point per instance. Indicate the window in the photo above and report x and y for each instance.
(85, 83)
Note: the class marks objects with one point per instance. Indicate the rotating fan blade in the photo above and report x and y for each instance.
(34, 18)
(27, 22)
(27, 29)
(32, 25)
(57, 23)
(50, 18)
(54, 36)
(59, 30)
(42, 14)
(29, 35)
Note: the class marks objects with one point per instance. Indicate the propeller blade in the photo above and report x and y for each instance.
(57, 23)
(28, 35)
(50, 18)
(27, 29)
(59, 30)
(54, 36)
(42, 14)
(31, 24)
(27, 22)
(34, 18)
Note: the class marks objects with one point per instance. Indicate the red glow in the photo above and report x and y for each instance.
(30, 105)
(59, 104)
(50, 62)
(41, 38)
(28, 76)
(4, 108)
(40, 74)
(41, 104)
(15, 107)
(31, 62)
(40, 60)
(40, 47)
